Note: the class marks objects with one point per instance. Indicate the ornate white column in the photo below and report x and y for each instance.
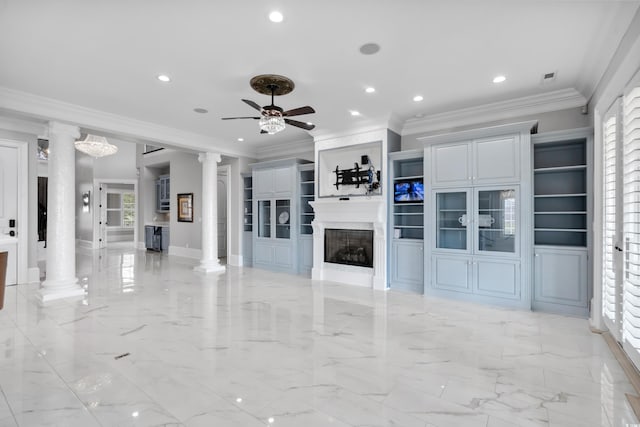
(209, 262)
(61, 280)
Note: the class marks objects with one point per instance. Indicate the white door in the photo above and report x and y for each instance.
(222, 216)
(9, 208)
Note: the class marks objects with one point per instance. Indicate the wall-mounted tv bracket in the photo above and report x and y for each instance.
(369, 177)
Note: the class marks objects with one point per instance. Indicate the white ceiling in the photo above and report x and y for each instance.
(106, 56)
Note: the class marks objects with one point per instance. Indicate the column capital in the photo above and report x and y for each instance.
(61, 129)
(209, 156)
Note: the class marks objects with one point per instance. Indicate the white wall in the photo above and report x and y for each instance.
(121, 165)
(186, 177)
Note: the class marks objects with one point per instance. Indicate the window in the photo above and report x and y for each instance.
(121, 210)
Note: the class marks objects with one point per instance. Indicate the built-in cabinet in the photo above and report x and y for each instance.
(247, 206)
(156, 238)
(163, 193)
(276, 219)
(306, 183)
(477, 243)
(562, 214)
(406, 221)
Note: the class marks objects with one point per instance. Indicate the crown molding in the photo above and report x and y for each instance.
(519, 107)
(48, 109)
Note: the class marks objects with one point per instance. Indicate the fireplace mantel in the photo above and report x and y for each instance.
(355, 213)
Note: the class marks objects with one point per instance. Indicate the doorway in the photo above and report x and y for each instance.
(116, 216)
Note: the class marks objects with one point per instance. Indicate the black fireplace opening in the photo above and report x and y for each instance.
(350, 247)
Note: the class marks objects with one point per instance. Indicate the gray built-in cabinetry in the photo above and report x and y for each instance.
(163, 194)
(306, 184)
(247, 234)
(406, 225)
(478, 193)
(562, 214)
(156, 238)
(275, 215)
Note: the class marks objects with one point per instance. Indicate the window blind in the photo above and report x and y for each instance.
(609, 290)
(631, 224)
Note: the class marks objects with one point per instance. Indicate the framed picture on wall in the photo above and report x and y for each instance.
(185, 207)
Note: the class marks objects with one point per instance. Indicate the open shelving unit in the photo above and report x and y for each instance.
(248, 202)
(408, 216)
(560, 193)
(307, 194)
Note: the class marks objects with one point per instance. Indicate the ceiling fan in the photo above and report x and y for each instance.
(273, 118)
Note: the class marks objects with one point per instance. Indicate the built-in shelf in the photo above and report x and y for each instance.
(407, 217)
(560, 193)
(307, 194)
(248, 203)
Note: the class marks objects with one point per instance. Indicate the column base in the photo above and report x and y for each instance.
(60, 289)
(209, 266)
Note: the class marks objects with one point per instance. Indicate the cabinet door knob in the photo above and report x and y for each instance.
(537, 255)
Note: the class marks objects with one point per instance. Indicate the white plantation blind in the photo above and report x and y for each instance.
(609, 290)
(631, 224)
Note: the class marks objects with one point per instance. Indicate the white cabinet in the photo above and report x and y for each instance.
(407, 265)
(275, 215)
(477, 162)
(560, 283)
(562, 218)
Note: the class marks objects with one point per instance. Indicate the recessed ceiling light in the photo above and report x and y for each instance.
(499, 79)
(276, 16)
(164, 78)
(310, 124)
(354, 113)
(418, 98)
(369, 48)
(370, 89)
(240, 139)
(201, 110)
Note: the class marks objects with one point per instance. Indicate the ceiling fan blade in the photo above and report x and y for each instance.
(299, 124)
(233, 118)
(253, 104)
(299, 111)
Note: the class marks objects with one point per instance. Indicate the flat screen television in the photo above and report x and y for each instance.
(408, 191)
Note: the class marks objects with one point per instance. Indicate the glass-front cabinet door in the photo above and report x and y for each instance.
(452, 220)
(283, 219)
(496, 220)
(264, 218)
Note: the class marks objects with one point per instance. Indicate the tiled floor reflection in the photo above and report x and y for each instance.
(154, 344)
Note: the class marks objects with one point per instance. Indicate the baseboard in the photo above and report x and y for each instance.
(141, 246)
(236, 260)
(33, 275)
(185, 252)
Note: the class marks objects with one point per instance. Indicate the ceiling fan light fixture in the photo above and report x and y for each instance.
(95, 146)
(272, 122)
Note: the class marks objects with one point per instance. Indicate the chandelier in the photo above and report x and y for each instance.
(96, 146)
(271, 121)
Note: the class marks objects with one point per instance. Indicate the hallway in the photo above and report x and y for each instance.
(154, 343)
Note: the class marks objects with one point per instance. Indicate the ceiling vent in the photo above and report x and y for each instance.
(548, 77)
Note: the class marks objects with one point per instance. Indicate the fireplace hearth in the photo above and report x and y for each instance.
(349, 247)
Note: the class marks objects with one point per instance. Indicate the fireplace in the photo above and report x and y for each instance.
(349, 247)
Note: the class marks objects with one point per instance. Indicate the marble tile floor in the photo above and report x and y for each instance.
(155, 344)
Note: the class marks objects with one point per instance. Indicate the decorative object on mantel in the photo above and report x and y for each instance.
(369, 177)
(272, 118)
(96, 146)
(185, 207)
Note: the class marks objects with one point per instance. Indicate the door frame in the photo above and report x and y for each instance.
(97, 211)
(22, 225)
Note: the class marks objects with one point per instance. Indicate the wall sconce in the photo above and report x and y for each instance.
(86, 197)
